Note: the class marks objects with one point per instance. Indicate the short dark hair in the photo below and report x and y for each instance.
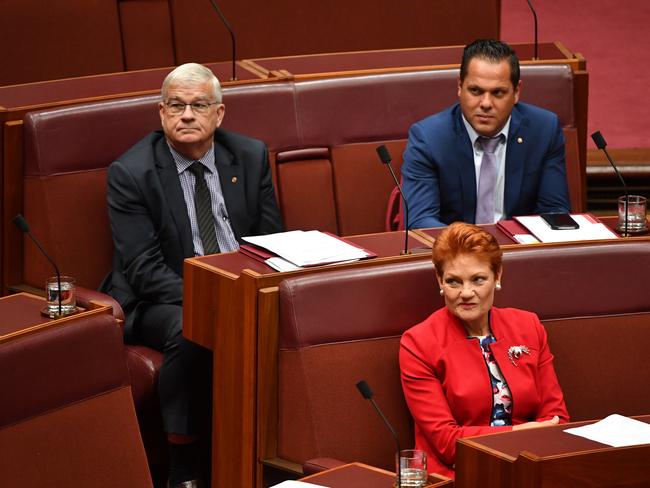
(493, 51)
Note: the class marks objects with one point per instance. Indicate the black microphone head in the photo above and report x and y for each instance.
(384, 155)
(21, 223)
(363, 387)
(599, 140)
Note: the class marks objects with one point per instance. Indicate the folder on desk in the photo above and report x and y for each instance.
(300, 249)
(591, 229)
(517, 232)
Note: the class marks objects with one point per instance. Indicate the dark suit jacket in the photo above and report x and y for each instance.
(440, 180)
(151, 229)
(447, 386)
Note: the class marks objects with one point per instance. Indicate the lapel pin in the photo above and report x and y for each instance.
(515, 352)
(520, 140)
(234, 179)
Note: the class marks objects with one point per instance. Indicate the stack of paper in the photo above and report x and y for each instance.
(296, 249)
(589, 229)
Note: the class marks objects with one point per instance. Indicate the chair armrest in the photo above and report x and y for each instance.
(86, 295)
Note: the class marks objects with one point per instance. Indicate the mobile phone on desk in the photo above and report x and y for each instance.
(560, 221)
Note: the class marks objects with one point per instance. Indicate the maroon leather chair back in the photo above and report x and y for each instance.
(336, 329)
(66, 425)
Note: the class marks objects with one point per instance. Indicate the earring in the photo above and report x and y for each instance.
(442, 292)
(497, 287)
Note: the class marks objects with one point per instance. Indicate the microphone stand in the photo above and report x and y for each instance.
(601, 144)
(232, 37)
(385, 158)
(535, 56)
(22, 224)
(366, 393)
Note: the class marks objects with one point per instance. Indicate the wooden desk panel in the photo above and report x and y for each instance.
(359, 475)
(310, 66)
(21, 315)
(548, 457)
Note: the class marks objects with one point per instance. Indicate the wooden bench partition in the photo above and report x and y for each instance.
(591, 299)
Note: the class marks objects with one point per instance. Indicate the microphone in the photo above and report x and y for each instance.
(232, 37)
(22, 224)
(599, 140)
(385, 158)
(532, 9)
(366, 393)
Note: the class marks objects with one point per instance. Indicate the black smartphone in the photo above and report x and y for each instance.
(560, 221)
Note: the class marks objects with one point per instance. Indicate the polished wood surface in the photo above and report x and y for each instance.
(310, 66)
(21, 315)
(359, 475)
(548, 457)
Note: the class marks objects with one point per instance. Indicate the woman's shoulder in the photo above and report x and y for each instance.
(515, 321)
(435, 328)
(514, 313)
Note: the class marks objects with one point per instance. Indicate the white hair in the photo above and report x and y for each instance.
(192, 73)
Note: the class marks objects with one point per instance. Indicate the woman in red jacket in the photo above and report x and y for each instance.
(471, 368)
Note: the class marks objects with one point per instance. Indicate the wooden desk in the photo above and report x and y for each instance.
(21, 315)
(326, 65)
(506, 242)
(231, 307)
(359, 475)
(549, 457)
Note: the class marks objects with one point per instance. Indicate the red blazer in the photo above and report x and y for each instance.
(448, 390)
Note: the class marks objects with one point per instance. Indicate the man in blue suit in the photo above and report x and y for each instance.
(488, 157)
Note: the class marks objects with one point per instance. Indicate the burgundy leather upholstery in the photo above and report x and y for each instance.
(591, 298)
(54, 410)
(575, 281)
(42, 370)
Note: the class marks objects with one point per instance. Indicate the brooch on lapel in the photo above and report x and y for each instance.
(515, 353)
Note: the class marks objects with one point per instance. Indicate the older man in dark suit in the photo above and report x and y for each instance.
(190, 189)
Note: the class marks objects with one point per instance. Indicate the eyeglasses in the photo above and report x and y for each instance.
(200, 108)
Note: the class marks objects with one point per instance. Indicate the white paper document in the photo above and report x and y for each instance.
(616, 431)
(589, 230)
(308, 248)
(525, 239)
(297, 484)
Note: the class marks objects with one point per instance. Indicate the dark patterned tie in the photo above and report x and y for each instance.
(487, 180)
(203, 207)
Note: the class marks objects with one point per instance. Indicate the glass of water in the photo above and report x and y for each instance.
(412, 465)
(636, 214)
(66, 291)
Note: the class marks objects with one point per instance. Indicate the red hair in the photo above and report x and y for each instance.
(462, 238)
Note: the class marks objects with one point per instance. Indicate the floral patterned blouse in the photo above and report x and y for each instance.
(502, 399)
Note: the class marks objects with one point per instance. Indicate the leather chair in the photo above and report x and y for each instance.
(67, 417)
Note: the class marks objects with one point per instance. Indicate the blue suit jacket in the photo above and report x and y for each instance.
(439, 177)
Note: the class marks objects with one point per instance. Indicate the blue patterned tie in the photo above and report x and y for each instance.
(487, 180)
(203, 207)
